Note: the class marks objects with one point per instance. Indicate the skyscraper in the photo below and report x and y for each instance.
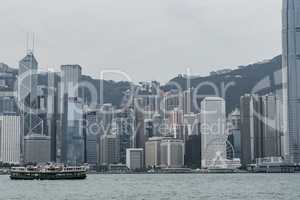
(261, 134)
(234, 130)
(10, 139)
(192, 156)
(177, 125)
(213, 137)
(27, 80)
(291, 74)
(47, 104)
(270, 126)
(27, 93)
(172, 153)
(108, 150)
(124, 121)
(71, 140)
(91, 131)
(249, 129)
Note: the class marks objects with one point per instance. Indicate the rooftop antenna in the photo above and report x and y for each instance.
(33, 38)
(30, 49)
(27, 43)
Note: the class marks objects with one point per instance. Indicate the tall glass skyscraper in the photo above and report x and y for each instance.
(72, 139)
(291, 77)
(27, 92)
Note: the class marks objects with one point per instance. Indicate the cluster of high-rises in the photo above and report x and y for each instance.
(58, 117)
(51, 117)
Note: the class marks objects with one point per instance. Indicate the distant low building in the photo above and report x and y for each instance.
(10, 139)
(193, 151)
(172, 153)
(135, 159)
(36, 148)
(152, 152)
(108, 150)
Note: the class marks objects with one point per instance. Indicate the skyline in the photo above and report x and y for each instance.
(192, 32)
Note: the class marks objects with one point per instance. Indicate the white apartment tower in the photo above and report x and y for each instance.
(10, 139)
(213, 136)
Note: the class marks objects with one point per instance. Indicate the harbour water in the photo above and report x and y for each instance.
(160, 186)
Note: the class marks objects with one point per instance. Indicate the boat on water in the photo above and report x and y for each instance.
(48, 172)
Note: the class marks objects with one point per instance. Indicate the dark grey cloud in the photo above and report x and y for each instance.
(155, 39)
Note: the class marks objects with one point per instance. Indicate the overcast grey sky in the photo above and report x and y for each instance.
(148, 39)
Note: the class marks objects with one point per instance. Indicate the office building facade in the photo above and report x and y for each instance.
(135, 159)
(108, 150)
(10, 139)
(152, 152)
(37, 148)
(291, 74)
(172, 153)
(213, 135)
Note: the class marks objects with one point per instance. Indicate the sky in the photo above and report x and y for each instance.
(144, 39)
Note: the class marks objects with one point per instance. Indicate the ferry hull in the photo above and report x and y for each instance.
(48, 176)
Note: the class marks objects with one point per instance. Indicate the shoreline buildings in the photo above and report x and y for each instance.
(261, 135)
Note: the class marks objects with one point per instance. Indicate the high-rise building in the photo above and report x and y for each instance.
(135, 159)
(152, 152)
(271, 130)
(73, 138)
(191, 124)
(8, 104)
(108, 150)
(172, 153)
(176, 122)
(213, 136)
(149, 128)
(291, 74)
(249, 129)
(124, 121)
(70, 140)
(192, 157)
(261, 134)
(173, 99)
(10, 139)
(188, 101)
(91, 132)
(139, 121)
(8, 79)
(234, 135)
(27, 94)
(37, 148)
(105, 117)
(27, 81)
(70, 77)
(47, 105)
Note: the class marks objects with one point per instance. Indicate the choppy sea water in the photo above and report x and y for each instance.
(154, 187)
